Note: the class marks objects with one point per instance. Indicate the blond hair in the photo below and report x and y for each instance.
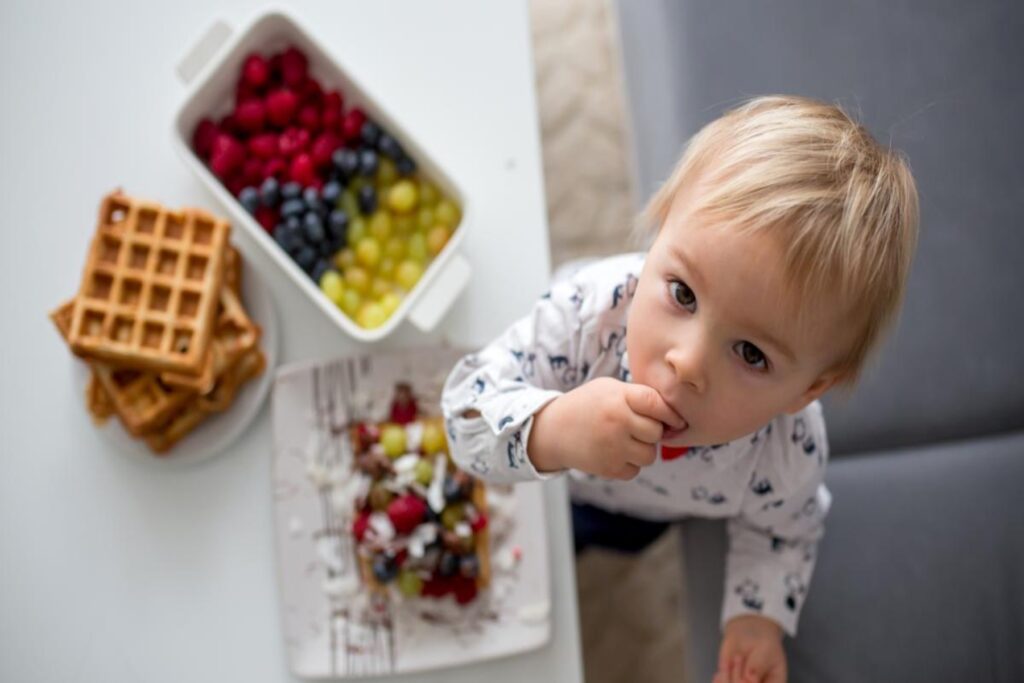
(845, 208)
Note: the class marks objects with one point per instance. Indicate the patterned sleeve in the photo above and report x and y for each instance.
(773, 541)
(532, 363)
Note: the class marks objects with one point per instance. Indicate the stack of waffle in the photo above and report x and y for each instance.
(159, 320)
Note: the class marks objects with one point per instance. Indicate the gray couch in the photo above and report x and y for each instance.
(921, 573)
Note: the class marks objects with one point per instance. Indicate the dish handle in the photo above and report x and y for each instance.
(203, 50)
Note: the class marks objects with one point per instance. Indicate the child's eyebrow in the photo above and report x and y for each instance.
(691, 269)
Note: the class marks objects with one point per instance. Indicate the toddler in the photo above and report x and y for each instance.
(684, 380)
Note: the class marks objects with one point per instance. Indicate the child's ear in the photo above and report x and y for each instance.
(817, 388)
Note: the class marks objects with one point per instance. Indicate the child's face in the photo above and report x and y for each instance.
(711, 329)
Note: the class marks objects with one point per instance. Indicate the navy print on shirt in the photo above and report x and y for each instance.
(762, 486)
(748, 592)
(625, 289)
(507, 420)
(526, 362)
(795, 589)
(515, 449)
(701, 493)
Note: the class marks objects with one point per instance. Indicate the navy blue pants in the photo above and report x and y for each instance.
(594, 527)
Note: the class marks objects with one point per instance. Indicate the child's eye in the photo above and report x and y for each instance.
(683, 295)
(751, 355)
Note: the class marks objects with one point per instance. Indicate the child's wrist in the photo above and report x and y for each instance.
(540, 449)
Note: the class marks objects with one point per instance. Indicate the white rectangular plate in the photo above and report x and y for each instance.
(332, 633)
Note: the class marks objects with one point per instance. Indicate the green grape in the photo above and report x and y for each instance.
(433, 438)
(393, 439)
(424, 472)
(379, 287)
(395, 247)
(345, 259)
(387, 174)
(332, 285)
(425, 218)
(349, 203)
(356, 230)
(452, 515)
(409, 583)
(447, 213)
(407, 274)
(416, 249)
(350, 302)
(368, 252)
(403, 196)
(386, 268)
(357, 279)
(380, 225)
(405, 223)
(436, 239)
(390, 303)
(371, 315)
(428, 193)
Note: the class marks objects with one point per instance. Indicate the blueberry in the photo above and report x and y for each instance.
(270, 192)
(312, 198)
(288, 238)
(250, 199)
(384, 568)
(313, 229)
(321, 267)
(389, 147)
(291, 190)
(306, 258)
(331, 193)
(469, 566)
(448, 565)
(368, 162)
(346, 161)
(337, 223)
(367, 199)
(293, 207)
(452, 490)
(294, 222)
(369, 133)
(405, 166)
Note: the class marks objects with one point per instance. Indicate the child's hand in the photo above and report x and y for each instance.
(605, 427)
(751, 652)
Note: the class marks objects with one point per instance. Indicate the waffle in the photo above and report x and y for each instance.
(233, 335)
(139, 398)
(249, 365)
(98, 401)
(149, 290)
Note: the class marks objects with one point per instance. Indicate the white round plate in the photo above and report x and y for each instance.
(218, 431)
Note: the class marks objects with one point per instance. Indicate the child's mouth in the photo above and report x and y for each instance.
(670, 434)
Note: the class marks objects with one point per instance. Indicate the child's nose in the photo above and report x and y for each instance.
(688, 365)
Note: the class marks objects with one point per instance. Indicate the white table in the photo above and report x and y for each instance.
(112, 570)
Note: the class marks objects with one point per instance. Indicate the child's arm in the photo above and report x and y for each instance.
(522, 407)
(773, 540)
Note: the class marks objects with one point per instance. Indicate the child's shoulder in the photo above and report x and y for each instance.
(793, 445)
(599, 284)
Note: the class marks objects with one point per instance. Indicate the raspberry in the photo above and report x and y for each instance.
(245, 92)
(267, 217)
(293, 66)
(250, 115)
(226, 156)
(310, 92)
(352, 123)
(235, 184)
(406, 512)
(203, 137)
(464, 589)
(281, 106)
(309, 117)
(263, 146)
(302, 170)
(360, 525)
(276, 168)
(323, 147)
(479, 523)
(252, 171)
(293, 141)
(332, 102)
(255, 71)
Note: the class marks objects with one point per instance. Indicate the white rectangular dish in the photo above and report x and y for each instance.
(334, 627)
(209, 71)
